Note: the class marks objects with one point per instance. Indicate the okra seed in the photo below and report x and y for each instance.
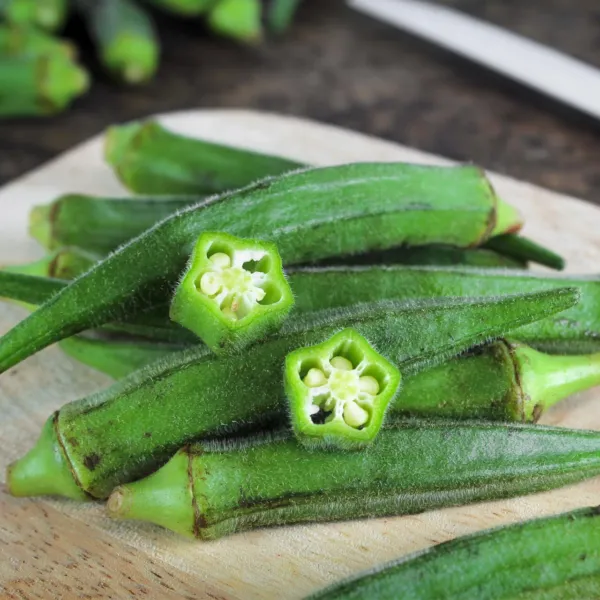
(210, 284)
(315, 378)
(369, 384)
(354, 415)
(220, 259)
(341, 363)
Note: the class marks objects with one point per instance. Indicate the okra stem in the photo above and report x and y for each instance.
(210, 491)
(310, 215)
(65, 263)
(107, 444)
(543, 559)
(521, 248)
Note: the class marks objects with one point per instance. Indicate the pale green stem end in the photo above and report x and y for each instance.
(40, 227)
(508, 219)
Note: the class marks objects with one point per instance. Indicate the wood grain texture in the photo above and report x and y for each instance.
(80, 546)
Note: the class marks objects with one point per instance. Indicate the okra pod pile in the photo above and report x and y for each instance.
(276, 363)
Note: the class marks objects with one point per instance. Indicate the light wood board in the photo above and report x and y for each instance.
(61, 549)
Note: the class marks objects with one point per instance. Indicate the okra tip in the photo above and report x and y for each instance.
(43, 470)
(134, 59)
(40, 226)
(164, 498)
(118, 140)
(61, 82)
(508, 218)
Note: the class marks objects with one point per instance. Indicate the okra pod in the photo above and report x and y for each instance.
(25, 42)
(99, 225)
(310, 215)
(521, 248)
(65, 263)
(558, 558)
(39, 85)
(211, 490)
(47, 14)
(339, 391)
(104, 442)
(506, 381)
(233, 292)
(149, 159)
(186, 8)
(281, 14)
(237, 19)
(125, 37)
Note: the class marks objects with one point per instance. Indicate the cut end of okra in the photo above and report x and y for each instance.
(238, 19)
(44, 470)
(61, 81)
(133, 59)
(508, 219)
(118, 140)
(339, 391)
(40, 225)
(163, 498)
(233, 292)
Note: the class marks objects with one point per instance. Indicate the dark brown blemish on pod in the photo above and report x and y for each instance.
(65, 454)
(91, 461)
(538, 409)
(199, 519)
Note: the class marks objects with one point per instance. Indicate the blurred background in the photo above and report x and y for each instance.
(338, 66)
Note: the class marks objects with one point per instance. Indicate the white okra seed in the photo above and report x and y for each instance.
(314, 378)
(354, 415)
(341, 363)
(210, 284)
(220, 259)
(369, 384)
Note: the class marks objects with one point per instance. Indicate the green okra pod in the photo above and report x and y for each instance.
(281, 14)
(233, 292)
(125, 36)
(64, 263)
(186, 8)
(99, 225)
(521, 248)
(558, 558)
(237, 19)
(310, 215)
(338, 391)
(18, 41)
(192, 395)
(47, 14)
(149, 159)
(212, 490)
(39, 85)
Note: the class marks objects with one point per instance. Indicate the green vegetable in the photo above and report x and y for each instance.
(520, 248)
(39, 85)
(339, 391)
(126, 38)
(187, 8)
(281, 14)
(149, 159)
(237, 19)
(99, 225)
(65, 263)
(233, 292)
(25, 42)
(47, 14)
(213, 490)
(504, 381)
(543, 559)
(310, 215)
(130, 429)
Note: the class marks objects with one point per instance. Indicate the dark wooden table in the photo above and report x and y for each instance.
(344, 68)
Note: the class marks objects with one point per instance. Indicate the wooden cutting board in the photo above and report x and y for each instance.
(61, 549)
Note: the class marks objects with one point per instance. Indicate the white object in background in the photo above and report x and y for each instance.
(565, 78)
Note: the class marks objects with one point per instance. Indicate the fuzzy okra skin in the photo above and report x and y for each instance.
(149, 159)
(310, 215)
(130, 429)
(125, 36)
(233, 292)
(339, 391)
(42, 85)
(559, 556)
(212, 490)
(99, 225)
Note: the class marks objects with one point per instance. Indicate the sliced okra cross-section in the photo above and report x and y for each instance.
(339, 391)
(233, 292)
